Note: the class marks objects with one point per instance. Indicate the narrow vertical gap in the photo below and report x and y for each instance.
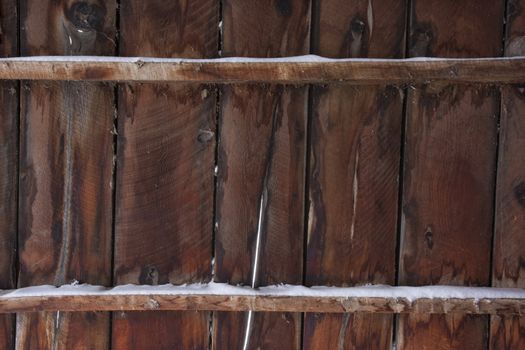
(215, 188)
(16, 258)
(16, 262)
(306, 205)
(115, 147)
(496, 158)
(504, 37)
(114, 173)
(399, 233)
(494, 209)
(215, 170)
(314, 27)
(406, 93)
(313, 49)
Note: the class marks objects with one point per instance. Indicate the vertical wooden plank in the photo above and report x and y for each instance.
(8, 166)
(508, 266)
(165, 165)
(65, 171)
(451, 136)
(354, 170)
(260, 200)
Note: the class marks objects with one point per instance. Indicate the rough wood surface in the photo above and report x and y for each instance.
(354, 170)
(8, 167)
(165, 164)
(261, 172)
(219, 297)
(508, 267)
(66, 163)
(451, 136)
(300, 70)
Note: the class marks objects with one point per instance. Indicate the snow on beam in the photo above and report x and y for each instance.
(281, 298)
(289, 70)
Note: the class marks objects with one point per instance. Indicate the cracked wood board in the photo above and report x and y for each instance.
(508, 266)
(261, 164)
(66, 162)
(354, 169)
(165, 164)
(449, 177)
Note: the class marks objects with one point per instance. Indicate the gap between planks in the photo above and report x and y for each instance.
(288, 70)
(281, 298)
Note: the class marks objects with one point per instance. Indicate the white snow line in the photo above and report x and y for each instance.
(283, 298)
(290, 59)
(224, 289)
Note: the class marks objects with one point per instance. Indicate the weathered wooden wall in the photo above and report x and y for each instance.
(261, 172)
(165, 164)
(261, 184)
(449, 163)
(66, 164)
(353, 172)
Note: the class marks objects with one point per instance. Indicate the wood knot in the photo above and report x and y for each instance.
(519, 193)
(149, 275)
(429, 238)
(284, 7)
(152, 304)
(86, 17)
(421, 39)
(357, 26)
(205, 136)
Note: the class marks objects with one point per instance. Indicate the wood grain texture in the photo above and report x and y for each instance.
(165, 164)
(8, 167)
(354, 170)
(290, 70)
(451, 141)
(261, 172)
(260, 156)
(508, 265)
(66, 163)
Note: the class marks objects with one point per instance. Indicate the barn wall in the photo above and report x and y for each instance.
(340, 185)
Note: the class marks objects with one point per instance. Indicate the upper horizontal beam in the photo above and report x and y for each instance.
(290, 70)
(223, 297)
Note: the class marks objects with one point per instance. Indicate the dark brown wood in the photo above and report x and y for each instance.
(296, 70)
(165, 164)
(508, 266)
(509, 253)
(8, 167)
(261, 172)
(451, 136)
(354, 167)
(468, 300)
(66, 163)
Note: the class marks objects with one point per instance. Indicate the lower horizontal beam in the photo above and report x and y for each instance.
(290, 70)
(283, 298)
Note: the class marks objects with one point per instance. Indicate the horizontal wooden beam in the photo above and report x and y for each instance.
(222, 297)
(291, 70)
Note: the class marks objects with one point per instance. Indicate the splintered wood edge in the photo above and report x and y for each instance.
(293, 70)
(103, 301)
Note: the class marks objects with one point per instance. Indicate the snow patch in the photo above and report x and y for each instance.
(223, 289)
(291, 59)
